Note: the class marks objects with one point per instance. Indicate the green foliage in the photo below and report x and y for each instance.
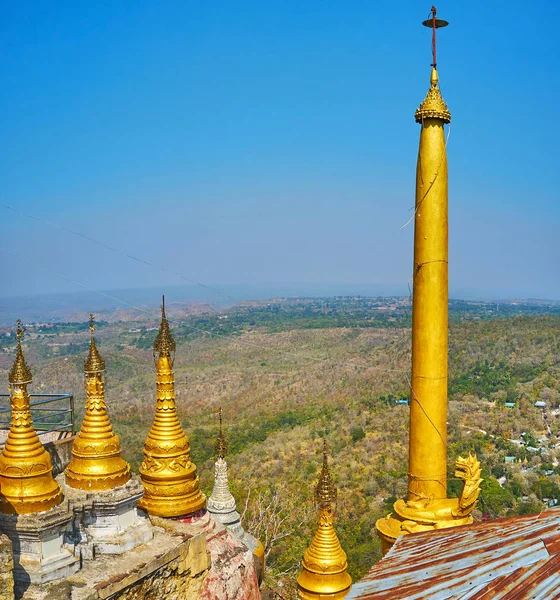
(545, 488)
(357, 434)
(494, 498)
(482, 380)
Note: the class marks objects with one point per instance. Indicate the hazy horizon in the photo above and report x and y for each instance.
(226, 294)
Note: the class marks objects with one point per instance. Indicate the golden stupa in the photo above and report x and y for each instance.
(96, 453)
(26, 481)
(427, 506)
(171, 487)
(323, 569)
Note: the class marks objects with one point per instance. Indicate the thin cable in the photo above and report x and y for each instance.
(419, 203)
(131, 256)
(188, 325)
(117, 251)
(415, 397)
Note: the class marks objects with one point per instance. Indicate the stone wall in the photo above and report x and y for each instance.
(169, 567)
(6, 566)
(60, 452)
(179, 578)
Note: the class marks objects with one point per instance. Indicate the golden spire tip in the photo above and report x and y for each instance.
(20, 372)
(164, 342)
(94, 362)
(434, 76)
(325, 492)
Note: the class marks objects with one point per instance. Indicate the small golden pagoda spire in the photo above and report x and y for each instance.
(26, 481)
(96, 453)
(323, 574)
(433, 106)
(427, 506)
(171, 486)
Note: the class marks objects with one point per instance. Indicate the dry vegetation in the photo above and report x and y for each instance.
(283, 392)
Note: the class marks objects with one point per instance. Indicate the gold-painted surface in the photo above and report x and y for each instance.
(96, 462)
(20, 373)
(323, 569)
(26, 481)
(171, 486)
(94, 362)
(427, 506)
(428, 402)
(433, 106)
(425, 514)
(325, 492)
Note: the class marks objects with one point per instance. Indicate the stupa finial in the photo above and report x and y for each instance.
(221, 443)
(20, 372)
(164, 343)
(434, 24)
(325, 492)
(94, 362)
(433, 105)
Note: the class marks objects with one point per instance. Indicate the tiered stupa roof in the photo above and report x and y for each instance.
(96, 462)
(26, 479)
(323, 574)
(171, 486)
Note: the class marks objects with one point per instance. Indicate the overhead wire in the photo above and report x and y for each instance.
(137, 259)
(417, 205)
(189, 325)
(117, 251)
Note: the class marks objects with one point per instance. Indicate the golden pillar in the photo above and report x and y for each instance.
(427, 506)
(26, 481)
(323, 569)
(428, 402)
(96, 453)
(171, 487)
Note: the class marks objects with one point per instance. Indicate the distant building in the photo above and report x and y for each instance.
(540, 404)
(510, 404)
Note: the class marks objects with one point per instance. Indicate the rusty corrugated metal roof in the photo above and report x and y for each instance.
(513, 558)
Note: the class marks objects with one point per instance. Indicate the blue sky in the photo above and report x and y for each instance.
(274, 142)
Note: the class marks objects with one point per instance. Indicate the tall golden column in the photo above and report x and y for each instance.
(96, 453)
(323, 569)
(171, 487)
(26, 481)
(427, 506)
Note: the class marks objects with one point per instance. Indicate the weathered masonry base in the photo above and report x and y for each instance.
(99, 545)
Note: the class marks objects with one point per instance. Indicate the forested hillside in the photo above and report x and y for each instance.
(288, 374)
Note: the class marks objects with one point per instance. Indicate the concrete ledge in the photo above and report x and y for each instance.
(170, 566)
